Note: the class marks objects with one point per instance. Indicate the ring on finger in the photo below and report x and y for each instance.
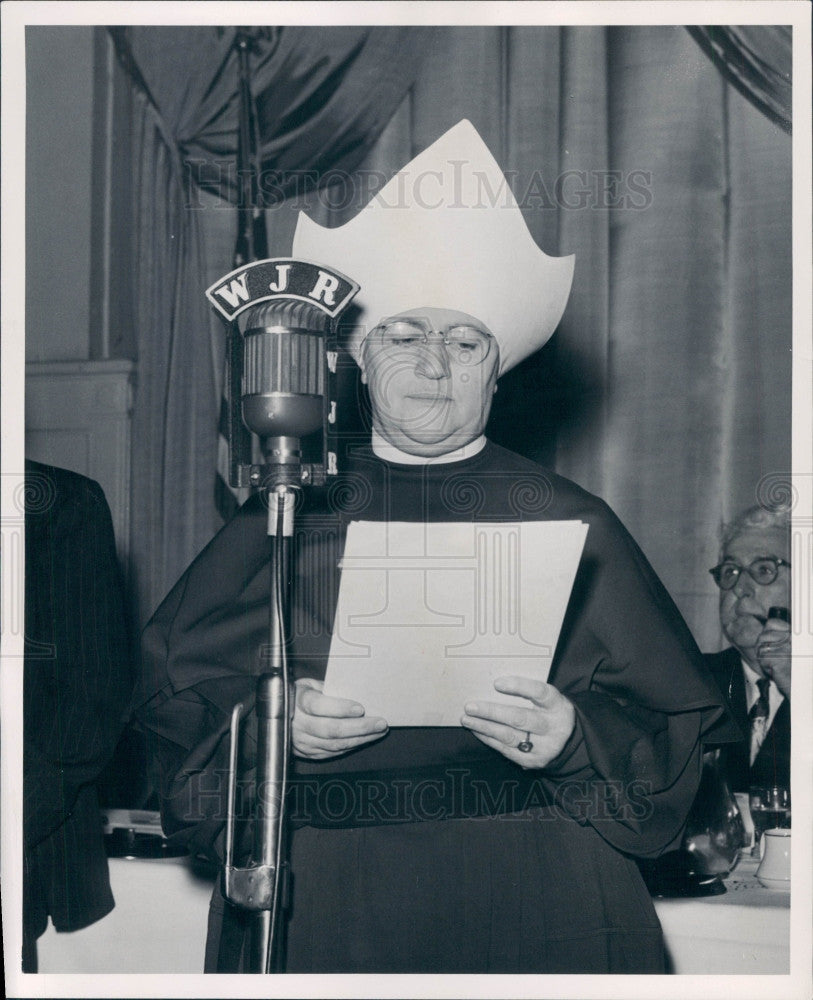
(525, 746)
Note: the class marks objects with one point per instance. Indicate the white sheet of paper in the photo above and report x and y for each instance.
(429, 615)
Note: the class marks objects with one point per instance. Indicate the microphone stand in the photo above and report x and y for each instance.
(274, 734)
(282, 387)
(261, 886)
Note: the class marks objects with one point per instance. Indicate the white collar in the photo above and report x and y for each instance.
(383, 449)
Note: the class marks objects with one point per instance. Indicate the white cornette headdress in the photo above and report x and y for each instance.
(446, 232)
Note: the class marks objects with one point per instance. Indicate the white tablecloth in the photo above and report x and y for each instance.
(745, 930)
(159, 925)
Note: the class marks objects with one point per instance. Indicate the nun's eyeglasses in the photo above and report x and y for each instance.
(464, 344)
(763, 571)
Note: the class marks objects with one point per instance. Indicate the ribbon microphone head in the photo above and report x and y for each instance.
(282, 366)
(284, 369)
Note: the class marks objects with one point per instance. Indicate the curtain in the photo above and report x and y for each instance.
(696, 276)
(757, 60)
(323, 97)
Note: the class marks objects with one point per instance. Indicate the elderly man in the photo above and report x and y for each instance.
(503, 843)
(754, 672)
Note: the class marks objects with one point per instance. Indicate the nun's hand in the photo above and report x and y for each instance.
(326, 727)
(541, 728)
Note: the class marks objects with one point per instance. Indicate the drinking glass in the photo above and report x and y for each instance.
(770, 809)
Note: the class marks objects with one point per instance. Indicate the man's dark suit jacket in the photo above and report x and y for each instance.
(77, 682)
(772, 764)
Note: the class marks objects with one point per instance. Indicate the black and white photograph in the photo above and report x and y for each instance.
(407, 499)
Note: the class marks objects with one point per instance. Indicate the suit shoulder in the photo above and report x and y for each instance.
(723, 661)
(48, 487)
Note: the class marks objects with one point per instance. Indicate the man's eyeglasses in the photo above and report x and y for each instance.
(763, 571)
(465, 345)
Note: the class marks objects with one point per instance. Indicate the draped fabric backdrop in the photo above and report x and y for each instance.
(666, 389)
(332, 95)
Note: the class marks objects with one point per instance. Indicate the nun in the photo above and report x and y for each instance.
(505, 843)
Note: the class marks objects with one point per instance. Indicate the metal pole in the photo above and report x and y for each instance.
(273, 739)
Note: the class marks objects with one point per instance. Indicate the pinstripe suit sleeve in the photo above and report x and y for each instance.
(75, 696)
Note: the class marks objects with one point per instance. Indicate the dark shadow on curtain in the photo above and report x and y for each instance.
(757, 60)
(550, 394)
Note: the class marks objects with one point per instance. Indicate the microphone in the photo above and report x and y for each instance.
(282, 368)
(283, 379)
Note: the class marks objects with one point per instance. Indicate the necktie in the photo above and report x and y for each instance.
(758, 717)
